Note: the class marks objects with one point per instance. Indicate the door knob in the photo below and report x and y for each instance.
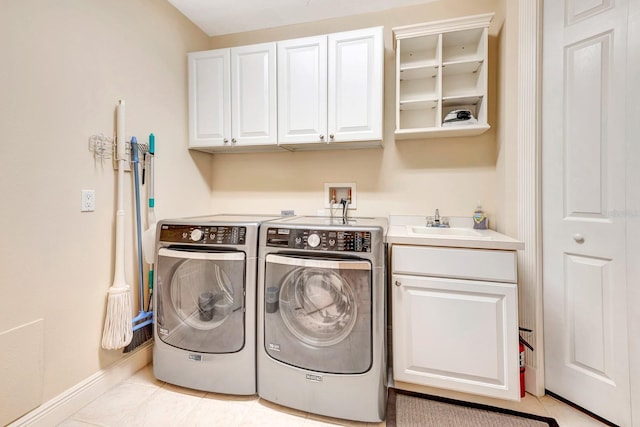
(579, 238)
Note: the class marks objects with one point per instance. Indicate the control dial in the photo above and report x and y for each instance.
(196, 235)
(313, 240)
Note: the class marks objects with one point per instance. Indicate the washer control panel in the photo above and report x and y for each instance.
(321, 240)
(201, 234)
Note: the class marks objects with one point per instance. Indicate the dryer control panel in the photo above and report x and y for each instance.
(205, 235)
(321, 240)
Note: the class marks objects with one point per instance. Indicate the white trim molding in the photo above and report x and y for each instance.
(70, 401)
(529, 188)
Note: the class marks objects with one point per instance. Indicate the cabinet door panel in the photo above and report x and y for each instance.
(355, 85)
(456, 334)
(253, 96)
(302, 90)
(209, 98)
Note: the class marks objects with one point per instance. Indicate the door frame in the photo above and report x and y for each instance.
(529, 201)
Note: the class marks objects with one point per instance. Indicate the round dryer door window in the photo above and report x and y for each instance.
(317, 306)
(201, 294)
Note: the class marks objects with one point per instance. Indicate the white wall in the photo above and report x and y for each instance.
(404, 177)
(64, 65)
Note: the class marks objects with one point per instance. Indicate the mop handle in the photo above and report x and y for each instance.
(152, 153)
(135, 161)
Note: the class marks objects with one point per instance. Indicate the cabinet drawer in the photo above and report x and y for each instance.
(476, 264)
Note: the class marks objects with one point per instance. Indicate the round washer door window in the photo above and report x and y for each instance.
(201, 294)
(317, 306)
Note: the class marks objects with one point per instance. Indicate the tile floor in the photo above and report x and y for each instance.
(142, 400)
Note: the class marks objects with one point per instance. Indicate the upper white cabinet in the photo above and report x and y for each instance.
(302, 91)
(330, 90)
(232, 98)
(441, 76)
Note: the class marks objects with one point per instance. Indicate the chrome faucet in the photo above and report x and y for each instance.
(437, 220)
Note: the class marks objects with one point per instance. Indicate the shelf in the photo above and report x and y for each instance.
(418, 104)
(412, 72)
(462, 67)
(441, 66)
(441, 132)
(452, 101)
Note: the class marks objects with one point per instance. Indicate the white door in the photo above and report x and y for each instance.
(253, 95)
(356, 61)
(584, 220)
(209, 98)
(302, 90)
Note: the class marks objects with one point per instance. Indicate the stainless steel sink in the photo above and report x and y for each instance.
(447, 232)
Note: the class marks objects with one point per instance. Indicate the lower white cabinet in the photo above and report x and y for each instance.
(456, 328)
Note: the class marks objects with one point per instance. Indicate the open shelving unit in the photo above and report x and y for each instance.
(441, 67)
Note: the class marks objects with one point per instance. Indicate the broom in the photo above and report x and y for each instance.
(117, 331)
(143, 322)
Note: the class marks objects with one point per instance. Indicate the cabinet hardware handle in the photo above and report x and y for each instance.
(331, 136)
(398, 283)
(579, 238)
(233, 140)
(321, 136)
(226, 140)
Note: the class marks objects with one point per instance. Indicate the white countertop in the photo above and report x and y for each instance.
(412, 230)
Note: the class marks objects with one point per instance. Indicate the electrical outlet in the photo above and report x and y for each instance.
(336, 191)
(88, 203)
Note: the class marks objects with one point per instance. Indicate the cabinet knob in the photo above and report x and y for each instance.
(330, 136)
(226, 140)
(398, 283)
(233, 140)
(579, 238)
(321, 136)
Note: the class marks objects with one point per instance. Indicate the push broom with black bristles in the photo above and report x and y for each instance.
(117, 331)
(143, 322)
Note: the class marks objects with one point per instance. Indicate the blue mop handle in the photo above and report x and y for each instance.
(135, 161)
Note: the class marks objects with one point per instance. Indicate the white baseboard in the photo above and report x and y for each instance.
(69, 402)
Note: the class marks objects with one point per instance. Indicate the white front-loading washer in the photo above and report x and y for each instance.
(321, 316)
(205, 302)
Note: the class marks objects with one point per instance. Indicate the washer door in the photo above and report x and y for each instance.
(200, 300)
(317, 313)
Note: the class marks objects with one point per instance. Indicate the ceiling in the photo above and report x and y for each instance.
(218, 17)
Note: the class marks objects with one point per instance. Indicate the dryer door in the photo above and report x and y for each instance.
(200, 300)
(318, 313)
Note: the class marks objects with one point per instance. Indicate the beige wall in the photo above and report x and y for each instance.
(65, 64)
(404, 177)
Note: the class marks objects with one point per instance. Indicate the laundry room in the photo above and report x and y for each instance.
(68, 66)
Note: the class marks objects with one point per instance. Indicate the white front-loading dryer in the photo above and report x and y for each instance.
(321, 316)
(205, 302)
